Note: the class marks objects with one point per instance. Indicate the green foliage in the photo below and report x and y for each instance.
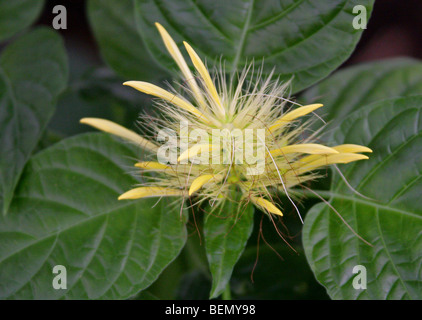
(114, 26)
(98, 92)
(66, 212)
(306, 40)
(33, 72)
(355, 87)
(63, 193)
(226, 231)
(17, 15)
(391, 222)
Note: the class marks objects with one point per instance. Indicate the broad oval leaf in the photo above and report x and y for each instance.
(65, 212)
(392, 222)
(33, 72)
(352, 88)
(114, 26)
(17, 15)
(303, 39)
(226, 231)
(97, 93)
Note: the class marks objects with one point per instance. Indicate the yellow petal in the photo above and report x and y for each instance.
(156, 91)
(146, 192)
(193, 151)
(199, 182)
(174, 51)
(309, 159)
(118, 130)
(267, 205)
(151, 165)
(330, 159)
(343, 148)
(351, 148)
(311, 148)
(199, 65)
(292, 115)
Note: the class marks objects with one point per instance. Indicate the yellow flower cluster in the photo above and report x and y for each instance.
(263, 151)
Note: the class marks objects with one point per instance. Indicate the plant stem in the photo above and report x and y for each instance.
(227, 295)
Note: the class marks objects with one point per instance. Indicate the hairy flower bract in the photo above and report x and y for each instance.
(223, 133)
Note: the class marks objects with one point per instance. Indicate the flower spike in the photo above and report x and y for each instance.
(351, 148)
(267, 205)
(293, 115)
(310, 148)
(147, 192)
(118, 130)
(154, 90)
(278, 156)
(199, 182)
(174, 51)
(199, 65)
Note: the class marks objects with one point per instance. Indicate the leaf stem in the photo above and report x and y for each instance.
(227, 295)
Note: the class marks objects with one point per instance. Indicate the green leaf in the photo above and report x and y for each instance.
(304, 39)
(226, 232)
(33, 72)
(392, 222)
(352, 88)
(97, 93)
(66, 212)
(121, 46)
(17, 15)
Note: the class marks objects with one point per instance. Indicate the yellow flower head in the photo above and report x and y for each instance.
(217, 134)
